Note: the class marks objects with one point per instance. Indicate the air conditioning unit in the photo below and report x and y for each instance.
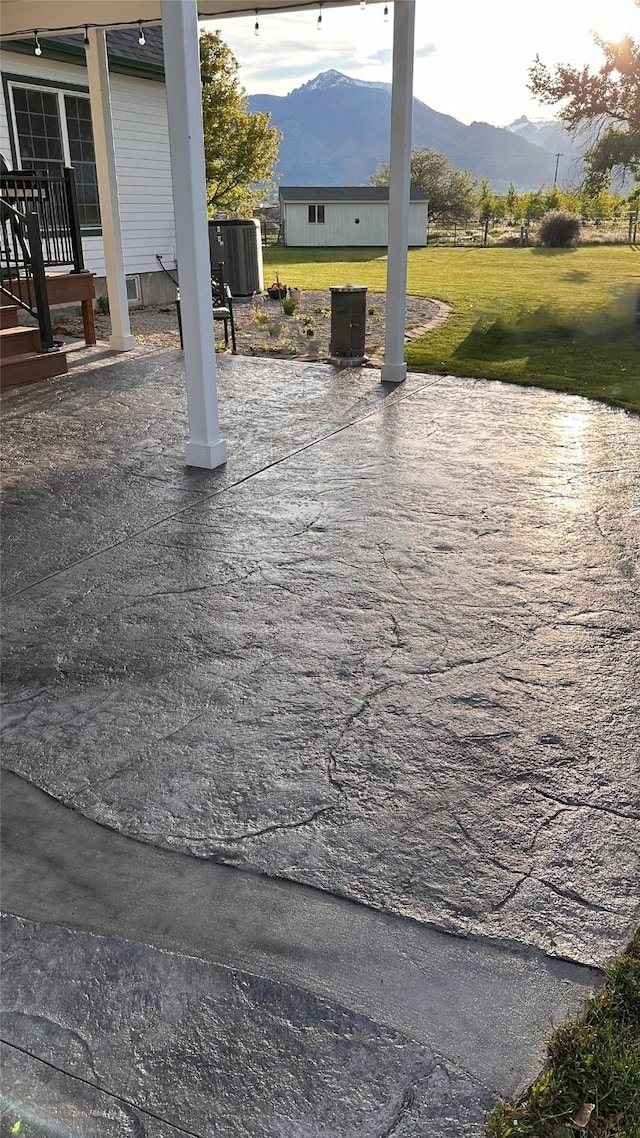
(239, 245)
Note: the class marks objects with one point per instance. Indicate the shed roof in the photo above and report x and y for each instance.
(343, 194)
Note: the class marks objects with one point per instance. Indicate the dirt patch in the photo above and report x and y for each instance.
(263, 328)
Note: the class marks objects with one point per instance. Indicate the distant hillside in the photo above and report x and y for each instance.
(336, 131)
(554, 138)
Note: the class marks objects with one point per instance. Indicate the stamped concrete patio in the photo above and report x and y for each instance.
(324, 767)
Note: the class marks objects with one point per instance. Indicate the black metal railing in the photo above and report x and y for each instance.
(55, 202)
(22, 272)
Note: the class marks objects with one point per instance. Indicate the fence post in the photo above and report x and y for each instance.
(40, 294)
(74, 218)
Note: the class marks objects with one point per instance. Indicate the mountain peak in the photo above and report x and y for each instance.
(331, 78)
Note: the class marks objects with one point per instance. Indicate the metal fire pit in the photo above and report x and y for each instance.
(348, 325)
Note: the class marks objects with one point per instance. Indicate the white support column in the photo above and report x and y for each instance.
(184, 104)
(121, 339)
(394, 369)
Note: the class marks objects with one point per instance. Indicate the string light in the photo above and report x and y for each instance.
(141, 40)
(86, 35)
(256, 26)
(386, 14)
(37, 49)
(319, 23)
(363, 4)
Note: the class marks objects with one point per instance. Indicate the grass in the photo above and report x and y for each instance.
(556, 318)
(594, 1060)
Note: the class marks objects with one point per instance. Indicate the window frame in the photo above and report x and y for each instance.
(59, 90)
(315, 214)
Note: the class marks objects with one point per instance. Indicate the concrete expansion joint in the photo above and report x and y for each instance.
(392, 400)
(126, 1103)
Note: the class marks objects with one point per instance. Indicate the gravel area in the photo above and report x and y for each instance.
(264, 329)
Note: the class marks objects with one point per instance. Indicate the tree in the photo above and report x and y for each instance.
(487, 204)
(606, 102)
(511, 202)
(240, 146)
(532, 206)
(451, 192)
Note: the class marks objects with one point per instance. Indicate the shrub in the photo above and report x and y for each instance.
(289, 306)
(102, 304)
(559, 229)
(260, 316)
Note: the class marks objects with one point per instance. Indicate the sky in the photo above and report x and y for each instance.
(471, 58)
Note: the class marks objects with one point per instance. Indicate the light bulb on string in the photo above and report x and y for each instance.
(363, 4)
(141, 40)
(319, 22)
(37, 49)
(385, 14)
(86, 35)
(256, 26)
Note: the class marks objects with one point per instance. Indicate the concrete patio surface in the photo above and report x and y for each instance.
(324, 767)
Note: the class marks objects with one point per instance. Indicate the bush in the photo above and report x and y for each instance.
(559, 229)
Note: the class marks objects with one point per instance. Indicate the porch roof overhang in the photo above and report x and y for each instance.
(19, 17)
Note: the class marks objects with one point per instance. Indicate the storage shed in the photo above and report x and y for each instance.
(345, 215)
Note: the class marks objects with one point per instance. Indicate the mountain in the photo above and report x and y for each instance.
(336, 131)
(553, 137)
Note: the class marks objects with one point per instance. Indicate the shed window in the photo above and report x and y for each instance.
(316, 214)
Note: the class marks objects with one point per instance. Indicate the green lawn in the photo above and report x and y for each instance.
(557, 318)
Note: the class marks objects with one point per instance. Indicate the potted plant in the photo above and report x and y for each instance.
(277, 291)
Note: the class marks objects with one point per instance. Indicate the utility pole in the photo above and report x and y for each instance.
(555, 176)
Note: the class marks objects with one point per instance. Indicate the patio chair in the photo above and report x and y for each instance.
(223, 304)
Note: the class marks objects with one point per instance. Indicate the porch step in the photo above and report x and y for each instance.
(18, 341)
(8, 315)
(32, 367)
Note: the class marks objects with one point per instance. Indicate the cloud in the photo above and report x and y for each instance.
(384, 55)
(301, 71)
(426, 50)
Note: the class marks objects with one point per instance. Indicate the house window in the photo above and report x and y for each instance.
(82, 155)
(316, 214)
(133, 289)
(53, 130)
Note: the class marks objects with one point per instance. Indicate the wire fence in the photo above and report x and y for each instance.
(600, 231)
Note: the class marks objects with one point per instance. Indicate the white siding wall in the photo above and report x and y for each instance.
(340, 226)
(142, 156)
